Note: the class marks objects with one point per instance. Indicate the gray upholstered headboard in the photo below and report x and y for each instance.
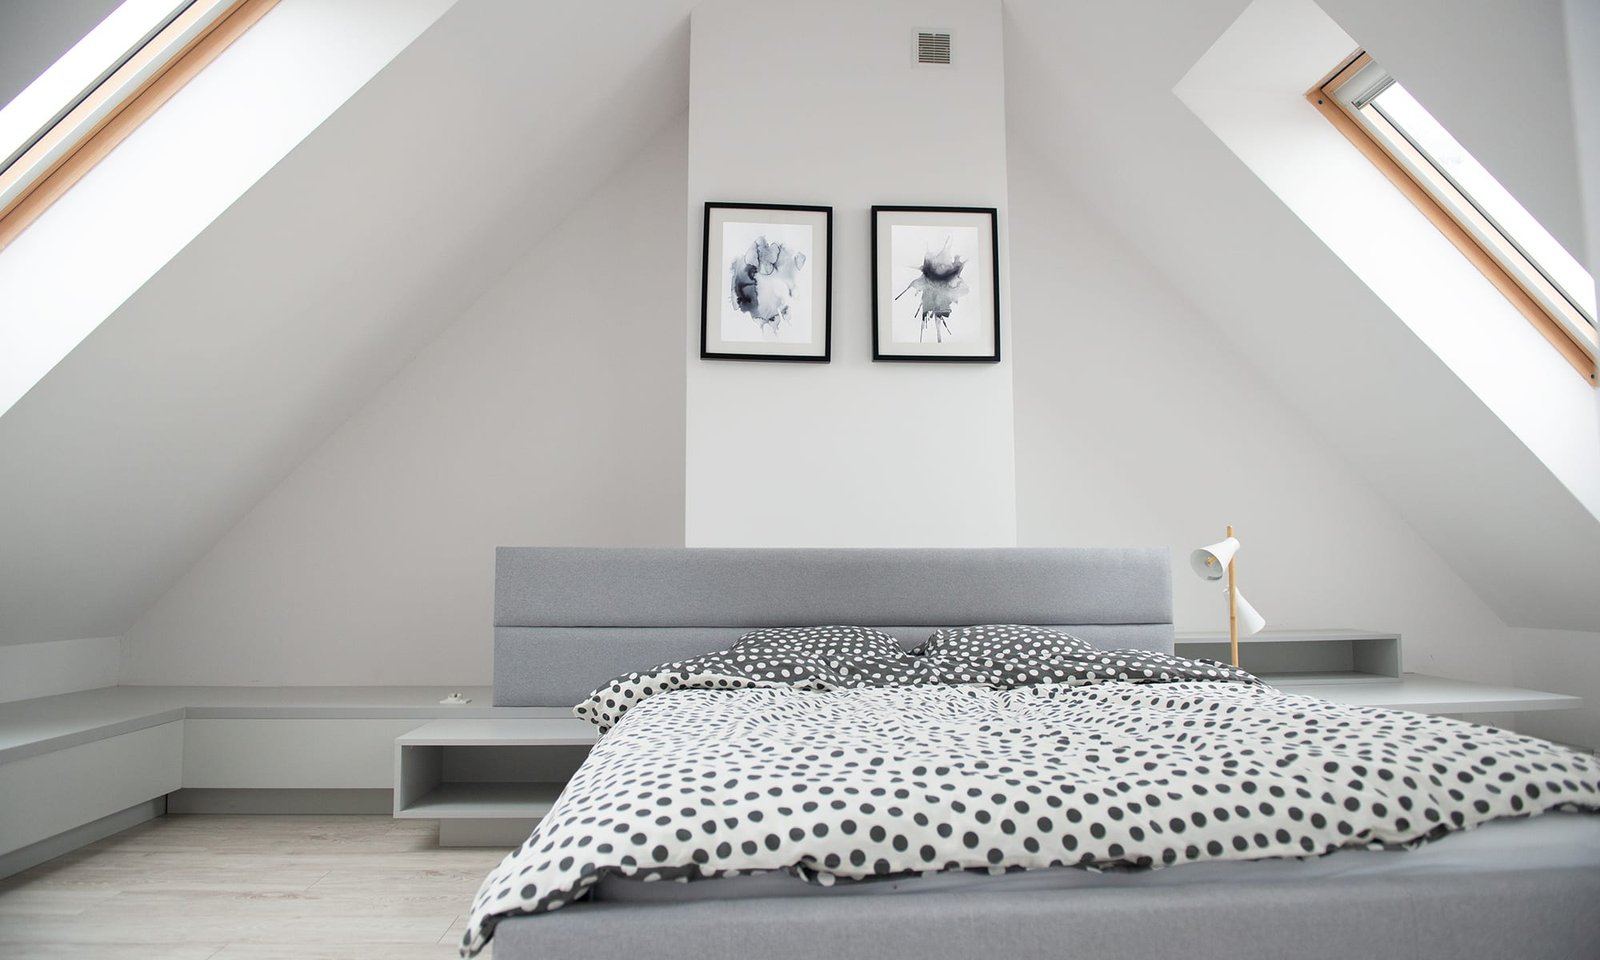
(569, 618)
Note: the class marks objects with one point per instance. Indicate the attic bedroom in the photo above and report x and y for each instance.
(511, 479)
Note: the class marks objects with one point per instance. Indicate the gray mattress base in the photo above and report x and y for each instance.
(1528, 915)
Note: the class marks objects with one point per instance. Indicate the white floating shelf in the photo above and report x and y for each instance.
(1362, 667)
(470, 732)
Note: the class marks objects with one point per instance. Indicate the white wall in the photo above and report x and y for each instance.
(819, 103)
(29, 670)
(1137, 424)
(544, 415)
(1563, 661)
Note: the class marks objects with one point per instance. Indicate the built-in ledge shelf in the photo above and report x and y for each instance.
(1324, 676)
(1321, 656)
(1362, 668)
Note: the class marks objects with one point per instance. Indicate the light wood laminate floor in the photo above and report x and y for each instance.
(248, 888)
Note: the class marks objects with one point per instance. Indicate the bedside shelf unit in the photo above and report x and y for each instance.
(1362, 668)
(487, 782)
(1318, 656)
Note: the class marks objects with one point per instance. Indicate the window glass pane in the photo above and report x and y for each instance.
(1489, 196)
(78, 70)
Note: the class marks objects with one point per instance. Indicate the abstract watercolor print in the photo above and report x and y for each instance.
(936, 284)
(935, 292)
(767, 282)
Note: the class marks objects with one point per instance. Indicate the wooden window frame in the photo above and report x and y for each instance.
(87, 133)
(1422, 195)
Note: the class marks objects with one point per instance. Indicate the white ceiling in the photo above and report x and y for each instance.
(202, 391)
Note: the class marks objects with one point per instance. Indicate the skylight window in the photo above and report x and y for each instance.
(83, 68)
(1473, 209)
(54, 131)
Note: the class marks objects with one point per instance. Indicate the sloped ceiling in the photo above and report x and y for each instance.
(1090, 85)
(201, 392)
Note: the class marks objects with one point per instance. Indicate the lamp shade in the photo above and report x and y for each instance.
(1211, 563)
(1250, 622)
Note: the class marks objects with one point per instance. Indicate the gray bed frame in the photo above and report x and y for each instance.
(567, 619)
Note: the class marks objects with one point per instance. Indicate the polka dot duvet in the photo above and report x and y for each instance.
(834, 755)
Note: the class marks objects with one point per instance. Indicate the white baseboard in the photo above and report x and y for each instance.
(49, 848)
(260, 801)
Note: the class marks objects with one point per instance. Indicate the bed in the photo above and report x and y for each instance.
(568, 619)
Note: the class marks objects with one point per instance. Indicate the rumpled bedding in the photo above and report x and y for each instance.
(848, 657)
(841, 759)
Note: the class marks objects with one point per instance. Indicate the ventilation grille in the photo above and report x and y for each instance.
(933, 48)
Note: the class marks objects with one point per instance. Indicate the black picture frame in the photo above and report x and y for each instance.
(720, 314)
(980, 341)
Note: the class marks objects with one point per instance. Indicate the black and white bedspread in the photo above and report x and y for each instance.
(830, 765)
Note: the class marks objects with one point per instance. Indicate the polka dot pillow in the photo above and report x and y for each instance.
(835, 642)
(805, 658)
(1004, 641)
(849, 656)
(1014, 655)
(844, 657)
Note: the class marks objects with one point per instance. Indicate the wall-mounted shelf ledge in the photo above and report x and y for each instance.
(1424, 694)
(1324, 676)
(1362, 667)
(1340, 634)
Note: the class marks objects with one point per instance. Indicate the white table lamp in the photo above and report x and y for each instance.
(1215, 562)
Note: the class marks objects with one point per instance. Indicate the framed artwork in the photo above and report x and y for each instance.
(767, 282)
(935, 284)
